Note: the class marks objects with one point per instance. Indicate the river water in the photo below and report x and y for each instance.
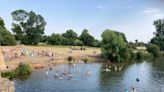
(92, 77)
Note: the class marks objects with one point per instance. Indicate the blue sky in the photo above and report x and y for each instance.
(132, 17)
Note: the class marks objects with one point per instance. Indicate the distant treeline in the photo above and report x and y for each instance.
(71, 38)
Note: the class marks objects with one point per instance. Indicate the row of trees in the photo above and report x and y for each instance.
(71, 38)
(28, 28)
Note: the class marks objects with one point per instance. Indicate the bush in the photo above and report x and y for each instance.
(9, 74)
(154, 49)
(133, 55)
(114, 48)
(77, 42)
(142, 55)
(23, 69)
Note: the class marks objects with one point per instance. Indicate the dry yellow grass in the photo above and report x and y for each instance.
(61, 53)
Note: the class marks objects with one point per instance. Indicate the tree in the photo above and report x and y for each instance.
(159, 34)
(122, 34)
(70, 34)
(159, 24)
(28, 26)
(77, 42)
(2, 24)
(86, 38)
(114, 48)
(56, 39)
(6, 38)
(154, 49)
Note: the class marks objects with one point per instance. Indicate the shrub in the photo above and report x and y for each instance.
(77, 42)
(140, 55)
(23, 69)
(9, 74)
(143, 55)
(154, 49)
(133, 55)
(114, 47)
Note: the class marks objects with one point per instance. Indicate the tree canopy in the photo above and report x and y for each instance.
(159, 34)
(86, 38)
(6, 38)
(114, 47)
(70, 34)
(28, 27)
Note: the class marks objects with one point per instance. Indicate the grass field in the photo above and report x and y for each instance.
(61, 53)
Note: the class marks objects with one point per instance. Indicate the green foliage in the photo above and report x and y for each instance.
(96, 43)
(70, 34)
(77, 42)
(133, 55)
(6, 38)
(28, 27)
(154, 49)
(8, 74)
(122, 34)
(159, 34)
(159, 24)
(86, 38)
(55, 39)
(159, 41)
(114, 47)
(143, 55)
(2, 24)
(140, 55)
(132, 45)
(23, 69)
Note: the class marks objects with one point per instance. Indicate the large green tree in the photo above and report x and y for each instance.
(6, 38)
(86, 38)
(28, 27)
(55, 39)
(70, 34)
(159, 34)
(122, 34)
(114, 47)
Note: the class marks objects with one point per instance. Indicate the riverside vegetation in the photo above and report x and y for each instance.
(21, 70)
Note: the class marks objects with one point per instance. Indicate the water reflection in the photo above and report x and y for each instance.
(149, 72)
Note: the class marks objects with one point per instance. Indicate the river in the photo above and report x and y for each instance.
(149, 72)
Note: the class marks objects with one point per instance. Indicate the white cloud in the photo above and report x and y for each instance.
(151, 11)
(101, 7)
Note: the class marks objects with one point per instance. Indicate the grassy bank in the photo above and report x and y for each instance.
(21, 70)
